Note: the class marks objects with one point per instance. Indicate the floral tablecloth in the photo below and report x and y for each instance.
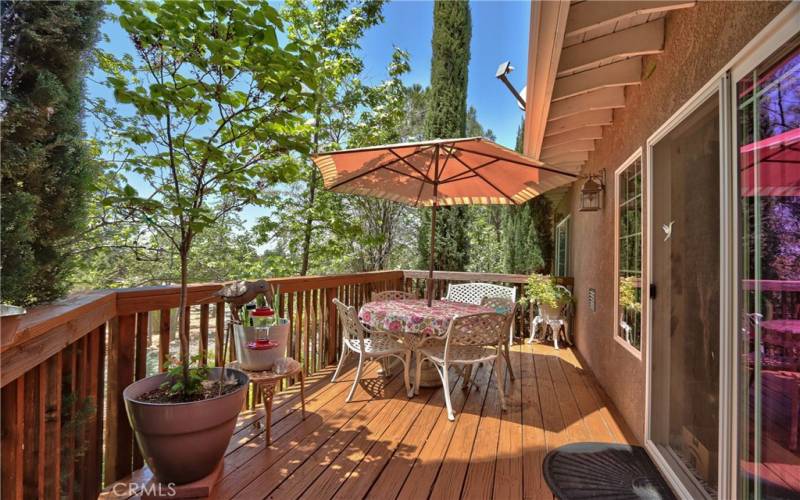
(414, 316)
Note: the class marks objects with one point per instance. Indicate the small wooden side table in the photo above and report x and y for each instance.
(266, 382)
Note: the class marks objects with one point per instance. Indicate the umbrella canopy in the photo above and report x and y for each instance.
(469, 171)
(442, 172)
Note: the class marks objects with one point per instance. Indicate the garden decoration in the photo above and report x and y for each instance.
(239, 293)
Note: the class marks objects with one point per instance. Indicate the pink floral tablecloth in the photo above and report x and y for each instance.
(414, 316)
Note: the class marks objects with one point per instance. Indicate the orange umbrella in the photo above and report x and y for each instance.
(442, 172)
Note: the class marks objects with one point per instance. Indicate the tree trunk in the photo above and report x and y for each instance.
(183, 327)
(312, 191)
(309, 223)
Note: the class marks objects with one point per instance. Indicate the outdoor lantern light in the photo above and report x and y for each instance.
(592, 193)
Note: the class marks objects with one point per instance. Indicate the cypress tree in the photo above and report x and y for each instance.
(447, 118)
(46, 170)
(528, 232)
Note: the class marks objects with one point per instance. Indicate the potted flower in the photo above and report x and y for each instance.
(629, 303)
(548, 295)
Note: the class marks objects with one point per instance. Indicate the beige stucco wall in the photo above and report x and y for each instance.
(699, 42)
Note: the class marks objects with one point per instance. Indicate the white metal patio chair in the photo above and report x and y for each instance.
(508, 308)
(393, 295)
(370, 345)
(470, 340)
(474, 293)
(554, 319)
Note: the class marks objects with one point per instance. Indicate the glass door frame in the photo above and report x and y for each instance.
(677, 478)
(779, 32)
(781, 29)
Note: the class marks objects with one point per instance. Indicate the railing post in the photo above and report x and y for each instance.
(119, 437)
(163, 338)
(13, 429)
(330, 294)
(219, 332)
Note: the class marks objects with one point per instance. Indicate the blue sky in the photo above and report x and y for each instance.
(499, 33)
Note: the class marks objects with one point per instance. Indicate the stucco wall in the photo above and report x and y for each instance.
(699, 42)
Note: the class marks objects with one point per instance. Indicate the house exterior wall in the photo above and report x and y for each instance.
(698, 42)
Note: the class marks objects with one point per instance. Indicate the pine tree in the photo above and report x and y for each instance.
(447, 118)
(46, 170)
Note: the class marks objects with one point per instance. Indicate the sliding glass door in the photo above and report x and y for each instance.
(685, 298)
(768, 144)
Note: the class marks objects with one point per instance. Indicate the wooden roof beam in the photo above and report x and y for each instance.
(607, 98)
(587, 119)
(594, 132)
(627, 72)
(572, 167)
(548, 20)
(586, 16)
(643, 39)
(573, 157)
(569, 147)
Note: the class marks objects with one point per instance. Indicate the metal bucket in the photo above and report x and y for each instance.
(259, 360)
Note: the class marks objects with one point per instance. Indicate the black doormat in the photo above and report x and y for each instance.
(603, 470)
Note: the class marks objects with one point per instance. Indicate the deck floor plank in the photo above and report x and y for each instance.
(383, 445)
(508, 476)
(450, 479)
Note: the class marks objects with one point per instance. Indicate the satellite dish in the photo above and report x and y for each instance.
(524, 95)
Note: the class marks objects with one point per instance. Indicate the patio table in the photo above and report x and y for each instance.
(414, 321)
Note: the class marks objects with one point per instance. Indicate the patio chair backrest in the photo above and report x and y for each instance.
(474, 293)
(489, 329)
(351, 326)
(393, 295)
(501, 305)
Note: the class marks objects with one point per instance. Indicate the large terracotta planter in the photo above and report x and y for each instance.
(183, 442)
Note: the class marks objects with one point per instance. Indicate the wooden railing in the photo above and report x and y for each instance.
(63, 416)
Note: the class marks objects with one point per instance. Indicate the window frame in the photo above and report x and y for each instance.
(637, 155)
(562, 225)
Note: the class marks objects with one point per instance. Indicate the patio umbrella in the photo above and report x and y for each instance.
(441, 172)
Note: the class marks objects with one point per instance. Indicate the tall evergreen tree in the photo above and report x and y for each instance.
(528, 232)
(46, 170)
(446, 118)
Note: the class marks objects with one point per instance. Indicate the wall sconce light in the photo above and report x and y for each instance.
(592, 192)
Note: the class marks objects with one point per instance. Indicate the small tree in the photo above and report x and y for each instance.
(215, 100)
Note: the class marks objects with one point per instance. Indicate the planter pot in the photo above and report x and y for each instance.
(258, 360)
(549, 312)
(183, 442)
(10, 317)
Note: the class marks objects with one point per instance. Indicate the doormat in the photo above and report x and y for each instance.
(603, 470)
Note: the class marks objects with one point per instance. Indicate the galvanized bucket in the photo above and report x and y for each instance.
(259, 360)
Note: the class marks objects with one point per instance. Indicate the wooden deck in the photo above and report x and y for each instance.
(383, 445)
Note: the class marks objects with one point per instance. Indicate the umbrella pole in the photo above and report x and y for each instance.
(432, 250)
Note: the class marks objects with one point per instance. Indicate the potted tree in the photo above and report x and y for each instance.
(215, 100)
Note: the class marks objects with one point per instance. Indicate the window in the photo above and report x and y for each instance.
(629, 252)
(562, 247)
